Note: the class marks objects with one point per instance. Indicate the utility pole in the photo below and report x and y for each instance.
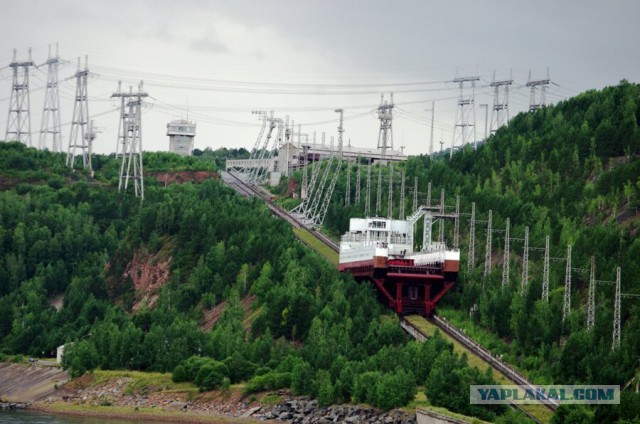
(545, 272)
(465, 115)
(19, 118)
(536, 103)
(385, 135)
(472, 239)
(591, 303)
(51, 109)
(566, 306)
(80, 120)
(500, 112)
(507, 256)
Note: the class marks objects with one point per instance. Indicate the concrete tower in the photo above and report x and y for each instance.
(181, 134)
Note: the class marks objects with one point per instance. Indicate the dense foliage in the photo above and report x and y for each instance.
(570, 171)
(288, 318)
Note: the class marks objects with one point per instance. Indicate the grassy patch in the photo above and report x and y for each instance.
(323, 250)
(143, 382)
(271, 399)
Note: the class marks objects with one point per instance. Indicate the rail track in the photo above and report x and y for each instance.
(495, 362)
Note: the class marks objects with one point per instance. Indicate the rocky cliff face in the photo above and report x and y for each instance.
(148, 273)
(181, 177)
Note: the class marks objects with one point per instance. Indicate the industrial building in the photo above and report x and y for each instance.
(181, 136)
(292, 156)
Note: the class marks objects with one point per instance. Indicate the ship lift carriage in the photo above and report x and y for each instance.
(380, 250)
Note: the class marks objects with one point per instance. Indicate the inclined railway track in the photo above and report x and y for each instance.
(250, 191)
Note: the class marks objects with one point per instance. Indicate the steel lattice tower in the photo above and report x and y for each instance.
(616, 313)
(131, 167)
(19, 117)
(471, 259)
(319, 218)
(566, 306)
(311, 211)
(305, 172)
(80, 120)
(500, 111)
(441, 220)
(359, 171)
(456, 225)
(465, 115)
(390, 195)
(415, 194)
(367, 203)
(545, 271)
(385, 114)
(379, 192)
(487, 257)
(537, 102)
(314, 187)
(347, 192)
(122, 121)
(507, 256)
(428, 221)
(525, 262)
(51, 109)
(401, 195)
(591, 302)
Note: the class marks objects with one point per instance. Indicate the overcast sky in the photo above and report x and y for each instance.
(216, 61)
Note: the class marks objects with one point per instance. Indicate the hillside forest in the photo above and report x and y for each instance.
(207, 285)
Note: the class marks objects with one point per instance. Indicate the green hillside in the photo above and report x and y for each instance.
(570, 171)
(134, 286)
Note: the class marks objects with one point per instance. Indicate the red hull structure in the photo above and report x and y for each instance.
(379, 251)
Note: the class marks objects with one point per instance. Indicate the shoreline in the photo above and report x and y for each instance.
(163, 415)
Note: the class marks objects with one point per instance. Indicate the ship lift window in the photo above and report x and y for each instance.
(378, 224)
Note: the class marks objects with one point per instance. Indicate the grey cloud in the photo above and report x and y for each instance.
(208, 45)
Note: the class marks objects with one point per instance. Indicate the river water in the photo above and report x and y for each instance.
(35, 417)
